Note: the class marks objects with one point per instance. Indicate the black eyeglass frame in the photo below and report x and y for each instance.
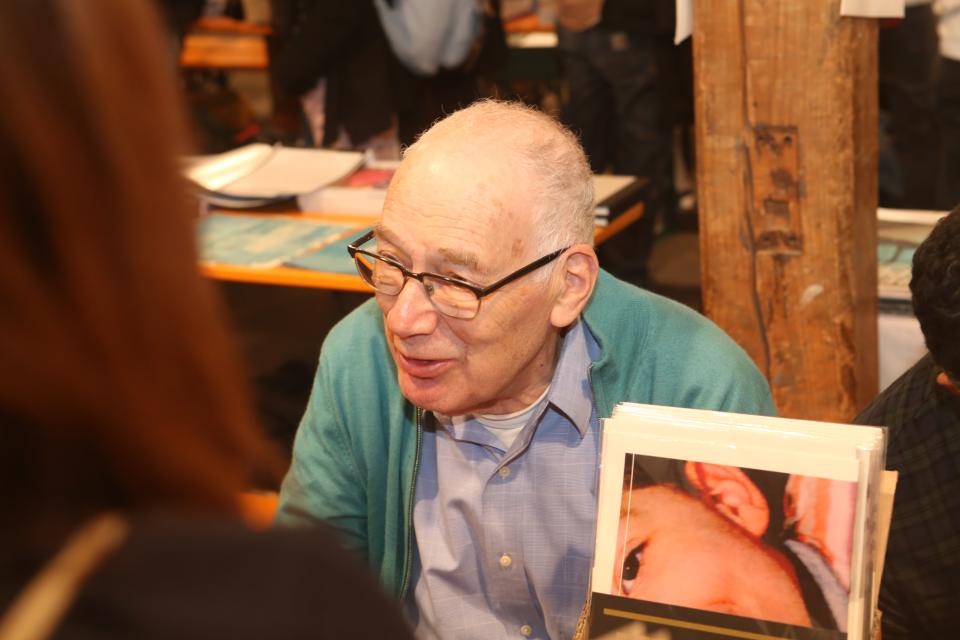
(354, 248)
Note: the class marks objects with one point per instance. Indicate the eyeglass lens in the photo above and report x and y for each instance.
(450, 299)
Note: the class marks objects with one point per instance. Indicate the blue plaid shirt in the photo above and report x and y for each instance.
(504, 538)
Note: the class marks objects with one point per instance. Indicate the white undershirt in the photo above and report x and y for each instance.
(506, 426)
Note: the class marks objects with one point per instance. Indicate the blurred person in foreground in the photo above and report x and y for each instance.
(921, 576)
(125, 432)
(452, 435)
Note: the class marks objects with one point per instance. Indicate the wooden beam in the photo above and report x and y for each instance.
(786, 122)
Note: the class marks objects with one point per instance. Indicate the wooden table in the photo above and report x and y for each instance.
(529, 23)
(293, 277)
(226, 44)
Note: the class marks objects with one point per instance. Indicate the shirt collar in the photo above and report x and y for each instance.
(570, 390)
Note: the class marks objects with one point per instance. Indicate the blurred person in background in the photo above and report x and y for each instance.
(333, 57)
(374, 74)
(948, 104)
(910, 133)
(125, 431)
(624, 72)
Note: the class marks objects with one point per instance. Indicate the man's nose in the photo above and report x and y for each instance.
(412, 312)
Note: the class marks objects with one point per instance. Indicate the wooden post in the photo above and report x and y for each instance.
(786, 121)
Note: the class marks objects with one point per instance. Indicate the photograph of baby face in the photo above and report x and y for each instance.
(758, 544)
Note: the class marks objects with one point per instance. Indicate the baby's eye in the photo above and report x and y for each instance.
(631, 566)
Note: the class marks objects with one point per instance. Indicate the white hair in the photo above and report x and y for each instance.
(541, 148)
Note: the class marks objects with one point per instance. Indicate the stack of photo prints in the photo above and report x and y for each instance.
(720, 525)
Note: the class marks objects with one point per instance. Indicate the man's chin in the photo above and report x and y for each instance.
(427, 393)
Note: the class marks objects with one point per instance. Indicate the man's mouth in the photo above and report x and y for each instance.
(422, 367)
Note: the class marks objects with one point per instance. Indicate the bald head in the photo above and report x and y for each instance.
(536, 162)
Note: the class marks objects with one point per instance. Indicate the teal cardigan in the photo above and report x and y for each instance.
(357, 448)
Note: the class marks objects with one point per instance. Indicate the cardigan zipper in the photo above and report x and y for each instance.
(405, 584)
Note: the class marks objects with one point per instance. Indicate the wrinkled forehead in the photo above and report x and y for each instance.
(453, 196)
(490, 178)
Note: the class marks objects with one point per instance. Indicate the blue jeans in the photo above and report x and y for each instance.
(618, 108)
(948, 100)
(907, 68)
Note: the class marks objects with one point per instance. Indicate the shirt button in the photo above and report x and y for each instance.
(505, 561)
(526, 631)
(504, 472)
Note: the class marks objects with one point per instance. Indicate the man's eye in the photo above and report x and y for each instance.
(459, 278)
(631, 567)
(393, 260)
(388, 256)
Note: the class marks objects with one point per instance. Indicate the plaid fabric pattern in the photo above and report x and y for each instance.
(920, 590)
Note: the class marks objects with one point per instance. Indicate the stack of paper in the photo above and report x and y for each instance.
(362, 192)
(260, 174)
(614, 195)
(899, 233)
(725, 525)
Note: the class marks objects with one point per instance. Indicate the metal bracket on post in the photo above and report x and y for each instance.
(776, 190)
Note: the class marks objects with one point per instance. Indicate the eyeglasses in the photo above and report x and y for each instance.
(450, 296)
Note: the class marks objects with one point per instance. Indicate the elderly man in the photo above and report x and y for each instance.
(454, 426)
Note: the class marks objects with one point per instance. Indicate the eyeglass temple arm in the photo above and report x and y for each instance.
(533, 266)
(353, 246)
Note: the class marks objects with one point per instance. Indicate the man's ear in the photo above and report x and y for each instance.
(732, 493)
(944, 381)
(579, 275)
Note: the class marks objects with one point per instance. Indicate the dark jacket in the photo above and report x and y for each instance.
(639, 16)
(343, 41)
